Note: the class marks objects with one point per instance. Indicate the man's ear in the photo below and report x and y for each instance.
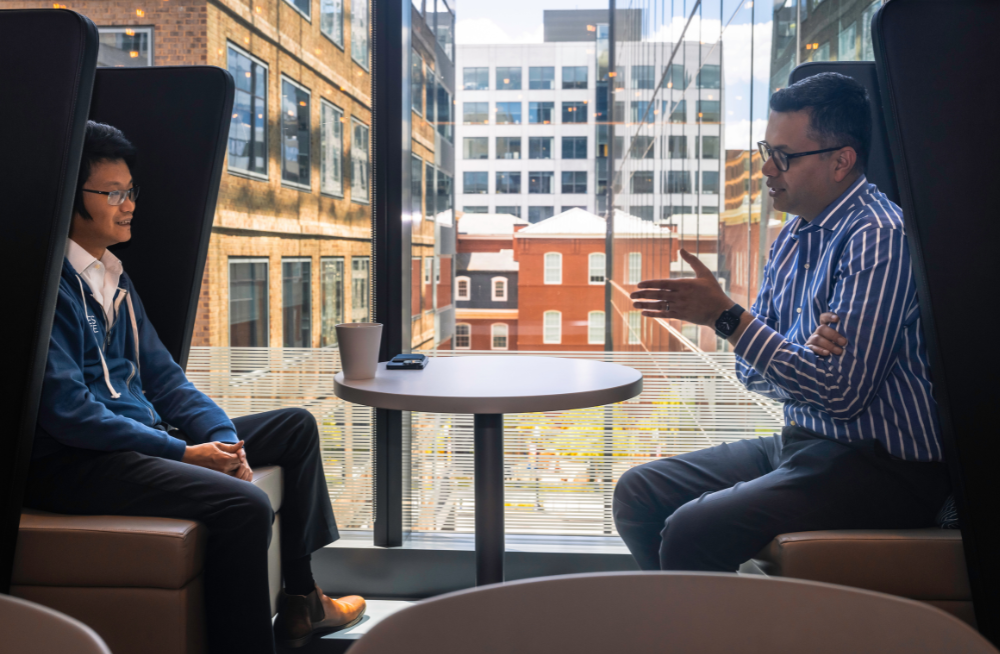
(844, 159)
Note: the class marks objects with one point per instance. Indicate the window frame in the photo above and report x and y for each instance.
(557, 315)
(551, 81)
(595, 328)
(633, 268)
(307, 296)
(498, 77)
(475, 184)
(575, 83)
(539, 106)
(512, 174)
(337, 319)
(476, 68)
(366, 64)
(299, 10)
(532, 140)
(459, 296)
(507, 141)
(507, 105)
(572, 108)
(266, 313)
(493, 336)
(596, 261)
(284, 182)
(466, 113)
(323, 104)
(575, 140)
(494, 296)
(125, 29)
(538, 176)
(340, 44)
(556, 277)
(355, 308)
(574, 184)
(355, 123)
(468, 345)
(633, 332)
(241, 172)
(474, 140)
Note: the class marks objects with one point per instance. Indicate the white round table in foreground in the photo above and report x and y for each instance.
(488, 387)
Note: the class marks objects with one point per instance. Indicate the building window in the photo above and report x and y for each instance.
(595, 328)
(430, 197)
(417, 83)
(431, 83)
(508, 79)
(678, 147)
(564, 209)
(510, 211)
(541, 77)
(331, 145)
(552, 327)
(416, 188)
(477, 147)
(538, 214)
(595, 268)
(710, 77)
(498, 289)
(475, 209)
(295, 134)
(463, 336)
(475, 79)
(302, 6)
(508, 182)
(540, 113)
(331, 271)
(678, 181)
(574, 112)
(508, 147)
(634, 327)
(540, 182)
(248, 306)
(642, 147)
(553, 268)
(475, 183)
(675, 210)
(574, 147)
(296, 302)
(634, 272)
(444, 112)
(676, 110)
(125, 47)
(476, 113)
(428, 269)
(644, 212)
(444, 197)
(462, 291)
(498, 336)
(574, 181)
(445, 29)
(639, 109)
(642, 77)
(619, 111)
(540, 147)
(248, 127)
(508, 113)
(359, 33)
(331, 20)
(710, 182)
(710, 148)
(359, 162)
(574, 77)
(359, 289)
(642, 181)
(676, 77)
(709, 111)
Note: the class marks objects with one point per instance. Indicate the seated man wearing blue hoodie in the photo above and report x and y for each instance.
(121, 431)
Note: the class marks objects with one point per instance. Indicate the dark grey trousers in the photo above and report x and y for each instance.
(237, 514)
(716, 508)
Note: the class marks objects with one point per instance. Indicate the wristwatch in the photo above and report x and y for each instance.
(728, 321)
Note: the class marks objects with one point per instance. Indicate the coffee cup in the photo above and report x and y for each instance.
(359, 346)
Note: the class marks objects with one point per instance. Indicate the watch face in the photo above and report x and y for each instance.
(727, 323)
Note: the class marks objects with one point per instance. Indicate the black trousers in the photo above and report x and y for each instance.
(237, 514)
(716, 508)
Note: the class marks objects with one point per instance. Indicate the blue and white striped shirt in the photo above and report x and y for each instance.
(852, 260)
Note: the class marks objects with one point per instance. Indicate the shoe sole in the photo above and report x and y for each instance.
(322, 631)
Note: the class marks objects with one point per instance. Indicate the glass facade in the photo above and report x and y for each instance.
(331, 169)
(295, 134)
(296, 302)
(248, 305)
(248, 127)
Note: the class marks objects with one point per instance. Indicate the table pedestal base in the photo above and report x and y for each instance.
(488, 436)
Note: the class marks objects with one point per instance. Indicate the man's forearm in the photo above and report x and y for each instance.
(745, 319)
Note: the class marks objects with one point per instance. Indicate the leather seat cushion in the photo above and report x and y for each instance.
(117, 551)
(921, 564)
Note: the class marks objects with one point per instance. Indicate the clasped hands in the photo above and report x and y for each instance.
(229, 458)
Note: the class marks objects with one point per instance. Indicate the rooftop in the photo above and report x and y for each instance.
(488, 224)
(577, 223)
(502, 261)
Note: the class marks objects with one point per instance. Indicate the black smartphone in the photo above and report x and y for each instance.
(407, 362)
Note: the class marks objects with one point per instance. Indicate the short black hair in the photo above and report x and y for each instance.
(839, 111)
(101, 143)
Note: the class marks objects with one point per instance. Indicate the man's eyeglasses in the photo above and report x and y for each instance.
(116, 198)
(781, 158)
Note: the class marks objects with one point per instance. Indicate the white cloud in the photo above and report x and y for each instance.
(738, 135)
(484, 31)
(735, 45)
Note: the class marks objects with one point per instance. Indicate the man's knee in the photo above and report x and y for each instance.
(303, 423)
(692, 537)
(250, 508)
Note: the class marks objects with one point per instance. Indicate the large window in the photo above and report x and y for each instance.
(295, 100)
(498, 336)
(331, 173)
(248, 127)
(475, 79)
(476, 147)
(296, 302)
(462, 290)
(508, 113)
(475, 209)
(574, 77)
(643, 77)
(574, 112)
(574, 147)
(553, 268)
(678, 147)
(416, 189)
(552, 327)
(359, 33)
(540, 182)
(508, 79)
(359, 162)
(540, 147)
(248, 306)
(540, 113)
(476, 113)
(709, 111)
(678, 181)
(331, 270)
(677, 79)
(642, 181)
(709, 149)
(498, 289)
(331, 20)
(710, 182)
(125, 47)
(538, 214)
(463, 336)
(634, 328)
(510, 211)
(595, 328)
(574, 181)
(634, 272)
(474, 183)
(302, 6)
(710, 76)
(417, 83)
(508, 182)
(595, 268)
(541, 77)
(444, 112)
(508, 147)
(359, 289)
(638, 111)
(677, 110)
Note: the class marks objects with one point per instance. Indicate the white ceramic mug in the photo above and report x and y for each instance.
(359, 345)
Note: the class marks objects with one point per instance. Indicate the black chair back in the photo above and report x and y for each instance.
(178, 119)
(937, 63)
(880, 171)
(46, 79)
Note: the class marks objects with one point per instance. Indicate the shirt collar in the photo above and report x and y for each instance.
(829, 217)
(80, 259)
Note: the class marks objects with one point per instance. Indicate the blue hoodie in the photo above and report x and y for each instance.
(112, 387)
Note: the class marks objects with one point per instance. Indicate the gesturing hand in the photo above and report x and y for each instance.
(826, 340)
(243, 471)
(700, 300)
(223, 457)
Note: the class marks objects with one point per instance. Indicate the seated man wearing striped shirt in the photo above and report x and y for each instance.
(861, 446)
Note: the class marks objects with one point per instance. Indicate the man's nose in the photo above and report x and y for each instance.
(770, 169)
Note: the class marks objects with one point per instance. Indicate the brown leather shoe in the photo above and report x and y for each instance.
(302, 616)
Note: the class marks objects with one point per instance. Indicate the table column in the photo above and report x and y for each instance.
(488, 436)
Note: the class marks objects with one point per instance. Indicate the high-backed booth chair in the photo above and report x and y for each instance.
(138, 581)
(921, 564)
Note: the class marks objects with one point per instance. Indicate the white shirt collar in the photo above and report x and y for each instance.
(80, 259)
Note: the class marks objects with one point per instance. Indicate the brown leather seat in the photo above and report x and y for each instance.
(920, 564)
(135, 581)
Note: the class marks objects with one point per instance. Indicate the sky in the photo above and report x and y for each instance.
(520, 21)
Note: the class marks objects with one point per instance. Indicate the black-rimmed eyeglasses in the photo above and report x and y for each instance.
(781, 158)
(116, 198)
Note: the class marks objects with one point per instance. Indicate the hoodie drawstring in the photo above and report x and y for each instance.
(107, 375)
(135, 332)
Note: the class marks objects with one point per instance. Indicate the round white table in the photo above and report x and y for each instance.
(488, 387)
